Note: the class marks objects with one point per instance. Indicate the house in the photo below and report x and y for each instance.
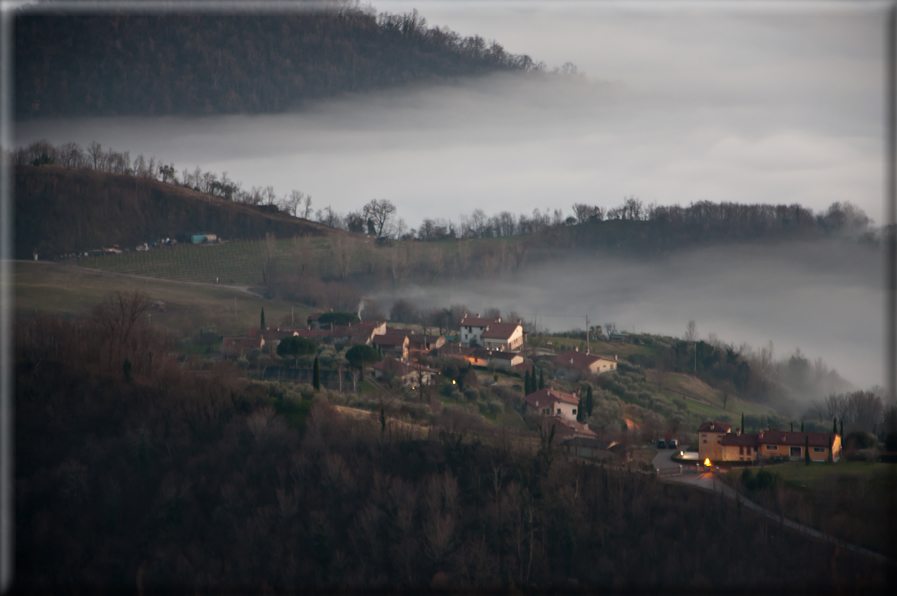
(619, 338)
(411, 373)
(567, 429)
(472, 329)
(238, 346)
(791, 445)
(550, 402)
(717, 443)
(474, 356)
(392, 345)
(584, 361)
(505, 359)
(359, 333)
(418, 344)
(503, 336)
(590, 448)
(710, 440)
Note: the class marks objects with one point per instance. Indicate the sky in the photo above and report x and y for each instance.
(682, 103)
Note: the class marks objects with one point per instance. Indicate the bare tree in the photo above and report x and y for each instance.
(95, 152)
(307, 206)
(691, 331)
(380, 213)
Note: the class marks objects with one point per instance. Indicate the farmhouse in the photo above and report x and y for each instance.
(710, 440)
(392, 345)
(567, 429)
(718, 443)
(411, 373)
(491, 334)
(583, 361)
(549, 402)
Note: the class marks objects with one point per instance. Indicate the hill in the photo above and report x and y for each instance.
(63, 210)
(191, 64)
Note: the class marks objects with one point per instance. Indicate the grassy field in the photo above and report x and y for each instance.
(72, 291)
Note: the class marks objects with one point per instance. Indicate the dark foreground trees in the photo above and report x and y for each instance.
(183, 482)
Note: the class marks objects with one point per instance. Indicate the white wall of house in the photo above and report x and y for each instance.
(469, 332)
(512, 344)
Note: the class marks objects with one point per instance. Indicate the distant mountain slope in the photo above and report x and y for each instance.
(131, 64)
(65, 210)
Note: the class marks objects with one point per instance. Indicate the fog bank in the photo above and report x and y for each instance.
(824, 298)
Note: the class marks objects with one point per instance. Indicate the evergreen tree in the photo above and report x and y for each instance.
(842, 427)
(807, 450)
(541, 379)
(792, 427)
(743, 429)
(802, 426)
(831, 449)
(526, 387)
(834, 426)
(263, 319)
(590, 402)
(316, 375)
(580, 415)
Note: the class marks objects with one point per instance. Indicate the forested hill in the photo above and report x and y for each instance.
(189, 64)
(65, 210)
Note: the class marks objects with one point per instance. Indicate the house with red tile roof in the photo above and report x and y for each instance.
(550, 402)
(767, 444)
(585, 362)
(491, 334)
(392, 345)
(710, 439)
(567, 429)
(411, 373)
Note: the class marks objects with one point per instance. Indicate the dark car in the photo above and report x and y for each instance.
(674, 444)
(661, 444)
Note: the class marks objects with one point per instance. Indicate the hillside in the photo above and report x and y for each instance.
(191, 64)
(63, 210)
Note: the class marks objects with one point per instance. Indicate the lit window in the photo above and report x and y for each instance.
(772, 447)
(818, 449)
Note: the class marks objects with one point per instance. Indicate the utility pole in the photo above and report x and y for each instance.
(587, 334)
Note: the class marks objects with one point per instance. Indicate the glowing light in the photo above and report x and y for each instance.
(707, 462)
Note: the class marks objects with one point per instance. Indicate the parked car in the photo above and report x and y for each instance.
(674, 444)
(661, 444)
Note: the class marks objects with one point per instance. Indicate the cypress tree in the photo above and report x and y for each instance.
(541, 379)
(792, 427)
(263, 319)
(807, 450)
(801, 426)
(590, 402)
(834, 426)
(526, 384)
(316, 375)
(580, 415)
(842, 427)
(831, 445)
(743, 429)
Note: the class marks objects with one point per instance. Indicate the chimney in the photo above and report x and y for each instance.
(520, 321)
(737, 432)
(587, 350)
(615, 358)
(478, 315)
(498, 320)
(576, 348)
(761, 434)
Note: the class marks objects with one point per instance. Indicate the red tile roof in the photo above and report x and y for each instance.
(744, 440)
(714, 427)
(390, 340)
(546, 396)
(797, 439)
(500, 330)
(568, 428)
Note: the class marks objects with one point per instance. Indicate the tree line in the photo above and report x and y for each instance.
(379, 218)
(128, 63)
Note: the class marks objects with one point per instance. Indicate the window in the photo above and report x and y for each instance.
(818, 449)
(559, 410)
(705, 440)
(772, 447)
(741, 450)
(574, 410)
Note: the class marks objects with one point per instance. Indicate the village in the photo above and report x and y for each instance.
(409, 360)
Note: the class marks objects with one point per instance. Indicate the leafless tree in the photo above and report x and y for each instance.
(380, 213)
(691, 331)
